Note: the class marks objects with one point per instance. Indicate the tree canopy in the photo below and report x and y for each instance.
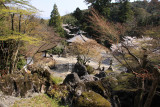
(55, 21)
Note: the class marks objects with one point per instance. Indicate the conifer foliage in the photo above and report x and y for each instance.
(125, 13)
(55, 21)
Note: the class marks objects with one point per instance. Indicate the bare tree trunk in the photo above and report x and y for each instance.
(151, 94)
(141, 95)
(15, 47)
(152, 89)
(20, 22)
(138, 99)
(13, 58)
(12, 22)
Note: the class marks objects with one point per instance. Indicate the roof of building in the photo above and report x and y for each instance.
(79, 39)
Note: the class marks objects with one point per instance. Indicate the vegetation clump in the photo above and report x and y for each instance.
(97, 87)
(38, 101)
(88, 99)
(56, 80)
(90, 69)
(126, 81)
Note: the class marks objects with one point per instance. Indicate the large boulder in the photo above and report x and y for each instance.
(16, 85)
(90, 99)
(40, 69)
(88, 78)
(98, 87)
(80, 69)
(79, 88)
(24, 84)
(101, 74)
(72, 79)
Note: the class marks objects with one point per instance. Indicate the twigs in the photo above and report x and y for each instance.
(134, 56)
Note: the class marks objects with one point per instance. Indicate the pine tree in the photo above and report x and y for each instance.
(125, 13)
(56, 21)
(78, 14)
(102, 6)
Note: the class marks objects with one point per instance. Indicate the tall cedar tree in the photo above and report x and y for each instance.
(102, 6)
(55, 20)
(125, 13)
(78, 14)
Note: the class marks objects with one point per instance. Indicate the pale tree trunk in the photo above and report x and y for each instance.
(140, 96)
(14, 58)
(99, 65)
(16, 46)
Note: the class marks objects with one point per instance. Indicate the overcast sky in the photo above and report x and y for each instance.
(64, 6)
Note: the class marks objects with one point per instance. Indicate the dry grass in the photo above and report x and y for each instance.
(106, 29)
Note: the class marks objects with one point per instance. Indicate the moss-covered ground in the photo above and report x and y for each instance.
(38, 101)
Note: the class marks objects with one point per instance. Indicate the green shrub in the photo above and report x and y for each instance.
(57, 50)
(56, 80)
(126, 81)
(21, 63)
(58, 93)
(90, 69)
(108, 71)
(112, 80)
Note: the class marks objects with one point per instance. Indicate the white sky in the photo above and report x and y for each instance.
(64, 6)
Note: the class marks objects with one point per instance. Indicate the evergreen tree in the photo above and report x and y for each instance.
(102, 6)
(78, 14)
(125, 13)
(55, 20)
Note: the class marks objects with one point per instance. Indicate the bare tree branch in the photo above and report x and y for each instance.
(135, 57)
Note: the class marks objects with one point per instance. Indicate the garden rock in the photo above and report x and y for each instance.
(24, 84)
(101, 74)
(88, 78)
(72, 79)
(80, 69)
(97, 87)
(90, 99)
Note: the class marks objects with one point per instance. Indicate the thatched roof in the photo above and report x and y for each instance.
(47, 46)
(79, 39)
(42, 46)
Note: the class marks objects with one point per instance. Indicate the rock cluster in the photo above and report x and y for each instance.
(24, 84)
(87, 89)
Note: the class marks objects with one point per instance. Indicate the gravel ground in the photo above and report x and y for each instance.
(8, 101)
(64, 65)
